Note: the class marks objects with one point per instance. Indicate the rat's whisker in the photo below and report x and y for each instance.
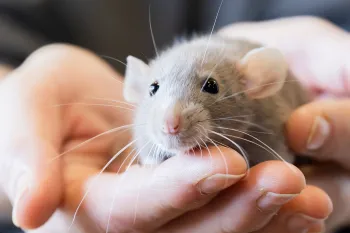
(123, 128)
(239, 76)
(266, 149)
(222, 144)
(96, 177)
(192, 150)
(199, 146)
(211, 33)
(121, 179)
(88, 104)
(244, 122)
(244, 139)
(160, 154)
(232, 117)
(259, 132)
(139, 188)
(111, 209)
(152, 151)
(272, 150)
(112, 100)
(205, 144)
(152, 34)
(151, 30)
(253, 88)
(114, 59)
(213, 69)
(123, 63)
(243, 153)
(222, 52)
(222, 155)
(250, 141)
(156, 153)
(252, 124)
(211, 157)
(154, 156)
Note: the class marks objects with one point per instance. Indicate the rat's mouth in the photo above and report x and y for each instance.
(177, 144)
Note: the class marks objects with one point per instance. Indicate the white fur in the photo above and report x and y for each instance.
(136, 79)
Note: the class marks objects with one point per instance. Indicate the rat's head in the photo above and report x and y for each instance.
(187, 92)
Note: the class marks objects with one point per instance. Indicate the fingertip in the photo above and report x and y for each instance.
(313, 202)
(299, 127)
(279, 177)
(235, 161)
(38, 204)
(40, 196)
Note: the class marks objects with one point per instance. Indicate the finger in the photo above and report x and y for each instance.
(321, 130)
(304, 214)
(29, 141)
(322, 75)
(145, 198)
(248, 205)
(33, 130)
(273, 32)
(335, 181)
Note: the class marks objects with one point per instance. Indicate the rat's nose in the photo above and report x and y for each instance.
(172, 125)
(172, 119)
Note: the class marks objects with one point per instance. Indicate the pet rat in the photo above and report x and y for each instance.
(212, 90)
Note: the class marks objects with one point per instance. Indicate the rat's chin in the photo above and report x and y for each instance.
(175, 146)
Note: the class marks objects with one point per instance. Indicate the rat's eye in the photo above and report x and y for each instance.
(153, 88)
(211, 86)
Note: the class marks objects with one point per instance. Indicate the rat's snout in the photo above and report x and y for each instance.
(172, 125)
(172, 119)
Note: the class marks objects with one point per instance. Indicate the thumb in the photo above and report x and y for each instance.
(321, 130)
(32, 184)
(28, 144)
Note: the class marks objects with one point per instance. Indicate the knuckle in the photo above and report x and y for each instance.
(317, 23)
(228, 227)
(54, 51)
(54, 57)
(239, 225)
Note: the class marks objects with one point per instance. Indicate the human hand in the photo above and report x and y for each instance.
(316, 50)
(35, 131)
(171, 197)
(318, 54)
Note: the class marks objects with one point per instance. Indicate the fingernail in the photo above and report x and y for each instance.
(273, 201)
(302, 223)
(319, 133)
(22, 191)
(217, 182)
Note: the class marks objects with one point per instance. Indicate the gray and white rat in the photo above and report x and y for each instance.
(212, 89)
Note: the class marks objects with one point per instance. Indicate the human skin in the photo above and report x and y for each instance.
(175, 196)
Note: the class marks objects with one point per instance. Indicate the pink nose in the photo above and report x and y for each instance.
(172, 125)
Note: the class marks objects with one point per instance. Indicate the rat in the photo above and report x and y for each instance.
(212, 89)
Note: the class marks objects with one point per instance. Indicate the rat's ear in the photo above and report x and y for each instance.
(136, 79)
(264, 70)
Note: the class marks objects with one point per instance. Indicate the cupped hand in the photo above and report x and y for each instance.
(318, 54)
(52, 104)
(39, 122)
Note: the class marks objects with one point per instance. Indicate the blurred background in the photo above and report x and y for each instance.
(118, 28)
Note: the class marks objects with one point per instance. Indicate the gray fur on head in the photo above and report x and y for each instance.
(251, 82)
